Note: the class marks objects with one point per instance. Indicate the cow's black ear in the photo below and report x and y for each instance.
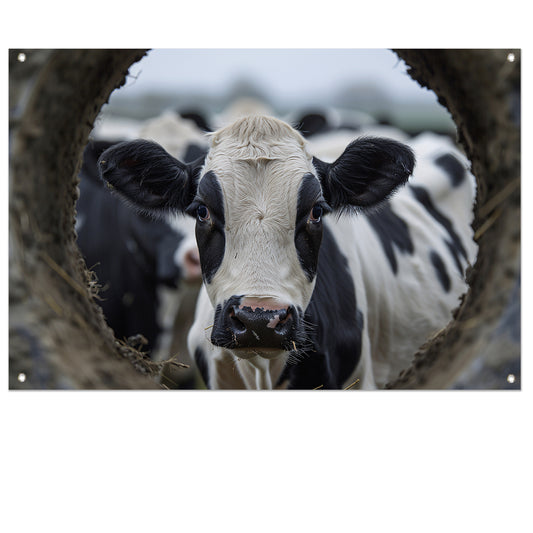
(368, 171)
(148, 177)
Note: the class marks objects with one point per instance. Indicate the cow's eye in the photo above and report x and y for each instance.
(316, 214)
(203, 213)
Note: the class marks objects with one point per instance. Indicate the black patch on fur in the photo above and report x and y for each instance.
(317, 122)
(367, 172)
(148, 177)
(198, 118)
(440, 270)
(455, 244)
(453, 167)
(201, 363)
(392, 232)
(333, 326)
(194, 152)
(308, 234)
(210, 234)
(454, 252)
(312, 123)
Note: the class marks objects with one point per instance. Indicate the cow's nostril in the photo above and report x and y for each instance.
(191, 262)
(285, 322)
(285, 316)
(236, 325)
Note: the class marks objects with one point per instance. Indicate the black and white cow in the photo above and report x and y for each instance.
(321, 121)
(296, 295)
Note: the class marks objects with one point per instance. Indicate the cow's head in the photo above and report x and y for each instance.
(259, 199)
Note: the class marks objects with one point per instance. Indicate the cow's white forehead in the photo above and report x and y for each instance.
(256, 137)
(260, 163)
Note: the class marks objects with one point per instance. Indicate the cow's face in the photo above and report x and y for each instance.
(259, 199)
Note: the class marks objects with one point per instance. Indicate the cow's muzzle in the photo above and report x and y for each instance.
(255, 323)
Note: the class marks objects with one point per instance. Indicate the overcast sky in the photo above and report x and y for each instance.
(287, 75)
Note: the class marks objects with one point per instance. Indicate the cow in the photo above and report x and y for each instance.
(316, 274)
(320, 121)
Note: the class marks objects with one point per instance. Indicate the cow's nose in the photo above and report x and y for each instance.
(257, 327)
(191, 263)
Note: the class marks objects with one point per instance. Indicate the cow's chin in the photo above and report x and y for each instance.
(265, 353)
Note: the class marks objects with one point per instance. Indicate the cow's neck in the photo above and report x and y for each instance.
(262, 374)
